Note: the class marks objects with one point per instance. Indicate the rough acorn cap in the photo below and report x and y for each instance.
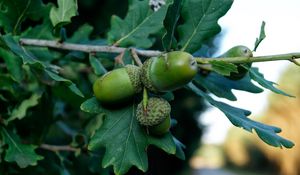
(145, 75)
(157, 110)
(134, 73)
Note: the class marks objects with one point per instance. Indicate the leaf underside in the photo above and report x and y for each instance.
(238, 117)
(222, 86)
(259, 78)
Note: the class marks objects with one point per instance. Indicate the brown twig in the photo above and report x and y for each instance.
(57, 148)
(83, 47)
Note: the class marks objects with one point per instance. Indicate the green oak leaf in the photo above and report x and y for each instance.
(125, 140)
(92, 106)
(170, 22)
(20, 111)
(13, 63)
(262, 36)
(139, 23)
(222, 86)
(23, 154)
(20, 51)
(62, 14)
(259, 78)
(97, 66)
(29, 58)
(81, 35)
(69, 83)
(94, 124)
(238, 117)
(200, 22)
(179, 149)
(223, 68)
(14, 12)
(41, 31)
(7, 83)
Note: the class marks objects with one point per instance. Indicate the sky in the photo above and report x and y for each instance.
(240, 26)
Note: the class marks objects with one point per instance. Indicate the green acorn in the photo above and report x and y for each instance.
(169, 71)
(156, 111)
(161, 128)
(239, 51)
(118, 85)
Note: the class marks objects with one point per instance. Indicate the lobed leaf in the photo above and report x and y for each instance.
(13, 63)
(97, 66)
(91, 106)
(29, 58)
(23, 154)
(14, 12)
(259, 78)
(7, 83)
(238, 117)
(179, 149)
(170, 24)
(262, 36)
(41, 31)
(223, 68)
(69, 83)
(82, 34)
(140, 22)
(200, 22)
(20, 111)
(222, 86)
(62, 14)
(125, 141)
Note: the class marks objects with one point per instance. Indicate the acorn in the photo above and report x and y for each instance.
(239, 51)
(168, 71)
(156, 111)
(118, 85)
(161, 128)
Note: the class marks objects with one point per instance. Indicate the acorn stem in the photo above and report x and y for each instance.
(289, 56)
(136, 57)
(145, 99)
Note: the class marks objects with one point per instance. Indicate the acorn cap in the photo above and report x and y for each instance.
(134, 73)
(145, 75)
(156, 111)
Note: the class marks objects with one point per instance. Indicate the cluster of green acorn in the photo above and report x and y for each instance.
(158, 74)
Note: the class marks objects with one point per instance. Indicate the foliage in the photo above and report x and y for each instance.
(48, 112)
